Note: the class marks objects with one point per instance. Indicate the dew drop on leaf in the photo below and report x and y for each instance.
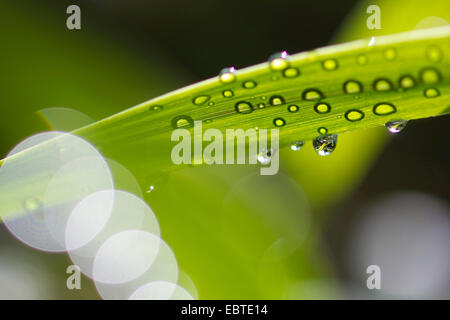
(431, 93)
(352, 86)
(243, 107)
(228, 93)
(276, 100)
(390, 54)
(297, 145)
(227, 75)
(395, 126)
(384, 108)
(406, 82)
(322, 107)
(325, 144)
(434, 54)
(199, 100)
(430, 76)
(312, 94)
(250, 84)
(382, 85)
(293, 108)
(265, 156)
(329, 64)
(182, 121)
(354, 115)
(279, 122)
(278, 61)
(291, 73)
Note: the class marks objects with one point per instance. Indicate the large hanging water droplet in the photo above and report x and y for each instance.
(297, 145)
(278, 61)
(227, 75)
(396, 126)
(325, 144)
(265, 156)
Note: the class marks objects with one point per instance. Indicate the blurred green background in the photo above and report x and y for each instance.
(308, 232)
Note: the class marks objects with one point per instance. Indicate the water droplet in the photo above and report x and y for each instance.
(322, 107)
(150, 189)
(431, 93)
(279, 122)
(263, 98)
(201, 100)
(329, 64)
(293, 108)
(297, 145)
(155, 108)
(228, 93)
(243, 107)
(384, 108)
(395, 126)
(250, 84)
(361, 59)
(278, 61)
(354, 115)
(390, 54)
(382, 85)
(211, 103)
(182, 121)
(261, 105)
(276, 100)
(325, 144)
(291, 73)
(352, 86)
(406, 82)
(430, 76)
(434, 54)
(265, 156)
(322, 130)
(312, 94)
(227, 75)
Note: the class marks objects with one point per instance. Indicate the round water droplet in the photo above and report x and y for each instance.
(261, 105)
(297, 145)
(199, 100)
(430, 76)
(325, 144)
(382, 85)
(211, 103)
(293, 108)
(228, 93)
(352, 86)
(431, 93)
(361, 59)
(406, 82)
(250, 84)
(227, 75)
(312, 94)
(279, 122)
(278, 61)
(322, 107)
(322, 130)
(182, 122)
(396, 126)
(155, 108)
(434, 54)
(243, 107)
(384, 108)
(354, 115)
(265, 156)
(330, 64)
(390, 54)
(276, 100)
(291, 73)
